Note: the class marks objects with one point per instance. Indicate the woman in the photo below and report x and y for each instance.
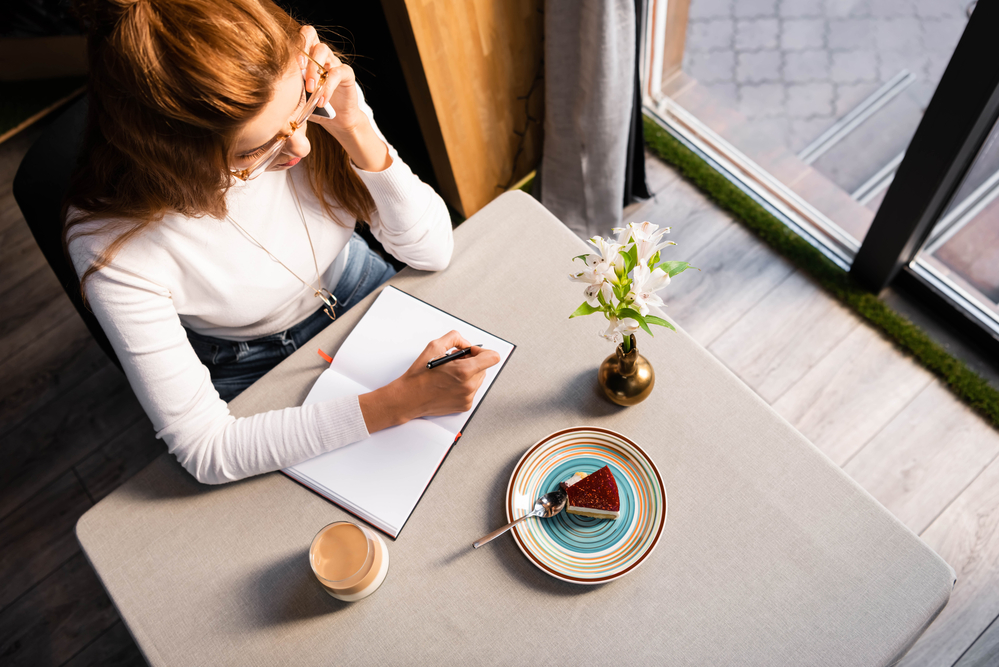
(212, 215)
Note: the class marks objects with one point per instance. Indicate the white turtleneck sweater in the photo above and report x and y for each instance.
(205, 274)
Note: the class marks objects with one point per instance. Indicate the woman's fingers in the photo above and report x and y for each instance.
(339, 86)
(319, 55)
(312, 77)
(484, 358)
(472, 368)
(310, 38)
(478, 359)
(438, 348)
(452, 387)
(310, 35)
(451, 339)
(338, 75)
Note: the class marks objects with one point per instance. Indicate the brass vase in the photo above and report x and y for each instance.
(627, 378)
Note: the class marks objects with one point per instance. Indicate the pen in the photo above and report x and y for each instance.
(457, 354)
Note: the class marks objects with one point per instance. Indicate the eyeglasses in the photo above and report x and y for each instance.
(269, 152)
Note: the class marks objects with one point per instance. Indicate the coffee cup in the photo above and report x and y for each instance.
(350, 561)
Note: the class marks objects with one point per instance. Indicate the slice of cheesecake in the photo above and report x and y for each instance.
(593, 495)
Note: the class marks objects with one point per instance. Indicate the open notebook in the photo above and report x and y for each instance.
(381, 479)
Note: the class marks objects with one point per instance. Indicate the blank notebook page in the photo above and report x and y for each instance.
(381, 478)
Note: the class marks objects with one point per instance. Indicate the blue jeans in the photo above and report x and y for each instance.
(235, 365)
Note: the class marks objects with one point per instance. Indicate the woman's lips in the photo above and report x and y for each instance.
(291, 163)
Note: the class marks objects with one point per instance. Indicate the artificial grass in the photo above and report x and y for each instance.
(965, 383)
(20, 100)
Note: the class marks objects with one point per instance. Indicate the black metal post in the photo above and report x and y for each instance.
(963, 109)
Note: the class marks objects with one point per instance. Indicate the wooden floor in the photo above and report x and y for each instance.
(71, 431)
(888, 423)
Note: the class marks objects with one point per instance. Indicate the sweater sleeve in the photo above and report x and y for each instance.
(410, 219)
(176, 391)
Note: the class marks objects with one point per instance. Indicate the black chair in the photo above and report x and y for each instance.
(40, 185)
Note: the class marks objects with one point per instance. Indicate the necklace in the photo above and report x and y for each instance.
(320, 291)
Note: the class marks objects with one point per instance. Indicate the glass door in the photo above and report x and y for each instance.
(865, 125)
(938, 226)
(812, 101)
(961, 253)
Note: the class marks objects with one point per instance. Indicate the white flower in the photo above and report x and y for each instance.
(611, 271)
(612, 333)
(596, 271)
(628, 326)
(596, 275)
(608, 250)
(649, 280)
(594, 289)
(646, 303)
(623, 235)
(646, 230)
(645, 284)
(619, 267)
(618, 328)
(601, 270)
(647, 237)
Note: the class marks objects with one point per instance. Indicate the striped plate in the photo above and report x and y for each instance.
(576, 548)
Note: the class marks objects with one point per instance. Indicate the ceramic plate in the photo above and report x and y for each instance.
(575, 548)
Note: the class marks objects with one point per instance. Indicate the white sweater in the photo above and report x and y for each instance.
(204, 274)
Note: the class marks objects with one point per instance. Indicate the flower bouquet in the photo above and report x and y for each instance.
(622, 279)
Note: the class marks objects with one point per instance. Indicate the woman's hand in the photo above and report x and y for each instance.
(340, 89)
(351, 126)
(423, 392)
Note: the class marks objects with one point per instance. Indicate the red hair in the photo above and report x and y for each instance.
(172, 82)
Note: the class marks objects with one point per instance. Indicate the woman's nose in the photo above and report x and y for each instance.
(298, 144)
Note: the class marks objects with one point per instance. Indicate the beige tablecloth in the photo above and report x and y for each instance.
(770, 554)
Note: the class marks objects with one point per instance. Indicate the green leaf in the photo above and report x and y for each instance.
(582, 257)
(637, 316)
(655, 259)
(627, 261)
(585, 309)
(652, 319)
(674, 267)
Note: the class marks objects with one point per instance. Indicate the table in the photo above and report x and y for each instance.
(771, 555)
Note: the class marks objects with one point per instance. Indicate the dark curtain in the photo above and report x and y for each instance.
(635, 186)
